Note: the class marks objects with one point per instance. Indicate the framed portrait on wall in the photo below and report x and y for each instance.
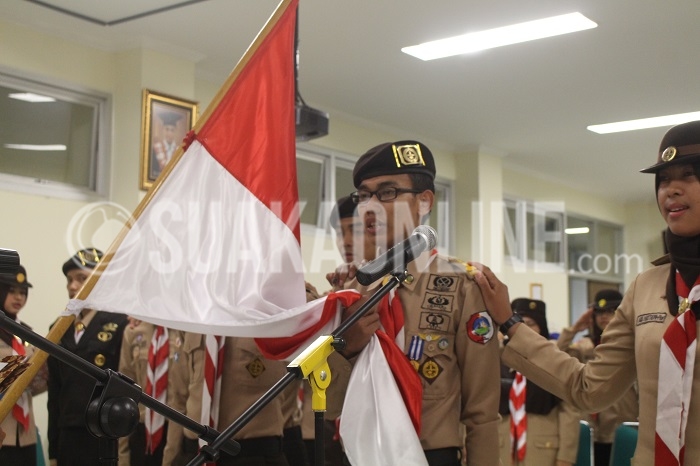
(165, 121)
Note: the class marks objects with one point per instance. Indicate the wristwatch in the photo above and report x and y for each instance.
(505, 326)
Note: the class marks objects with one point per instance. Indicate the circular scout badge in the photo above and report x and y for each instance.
(480, 328)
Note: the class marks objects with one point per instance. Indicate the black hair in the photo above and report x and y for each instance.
(422, 182)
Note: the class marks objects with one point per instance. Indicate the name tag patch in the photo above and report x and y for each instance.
(657, 317)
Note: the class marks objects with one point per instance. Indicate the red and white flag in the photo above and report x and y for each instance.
(214, 246)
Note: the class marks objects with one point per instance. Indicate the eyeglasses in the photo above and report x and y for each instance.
(383, 195)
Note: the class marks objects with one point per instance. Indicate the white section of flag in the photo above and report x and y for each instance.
(206, 256)
(375, 426)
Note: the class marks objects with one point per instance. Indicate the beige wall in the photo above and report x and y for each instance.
(41, 228)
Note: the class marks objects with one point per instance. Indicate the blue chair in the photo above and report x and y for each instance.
(624, 444)
(585, 445)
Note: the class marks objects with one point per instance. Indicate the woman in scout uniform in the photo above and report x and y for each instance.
(551, 427)
(19, 446)
(651, 338)
(96, 336)
(604, 423)
(449, 336)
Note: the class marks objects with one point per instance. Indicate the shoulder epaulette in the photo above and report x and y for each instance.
(469, 269)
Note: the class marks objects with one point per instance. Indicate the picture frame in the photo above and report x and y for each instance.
(536, 291)
(165, 121)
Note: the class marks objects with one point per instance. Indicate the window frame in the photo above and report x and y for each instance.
(99, 181)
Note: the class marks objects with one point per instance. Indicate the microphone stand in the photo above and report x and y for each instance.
(113, 410)
(312, 363)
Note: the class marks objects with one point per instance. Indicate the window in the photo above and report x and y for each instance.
(595, 249)
(53, 140)
(534, 234)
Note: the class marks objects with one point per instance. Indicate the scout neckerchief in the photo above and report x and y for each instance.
(518, 417)
(211, 388)
(156, 386)
(20, 411)
(676, 364)
(392, 341)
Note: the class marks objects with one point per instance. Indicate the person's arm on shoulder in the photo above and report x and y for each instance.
(495, 295)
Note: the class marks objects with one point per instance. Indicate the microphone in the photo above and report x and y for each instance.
(396, 258)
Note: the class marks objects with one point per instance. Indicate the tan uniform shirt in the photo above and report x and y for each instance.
(626, 409)
(629, 350)
(247, 375)
(550, 437)
(459, 363)
(10, 425)
(133, 363)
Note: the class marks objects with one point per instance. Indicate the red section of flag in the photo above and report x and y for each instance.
(243, 133)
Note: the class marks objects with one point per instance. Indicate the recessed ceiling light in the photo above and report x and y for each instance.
(31, 97)
(576, 231)
(498, 37)
(42, 147)
(644, 123)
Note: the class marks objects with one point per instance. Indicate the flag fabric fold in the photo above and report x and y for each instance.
(376, 415)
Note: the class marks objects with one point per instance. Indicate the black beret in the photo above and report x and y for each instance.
(534, 309)
(84, 259)
(17, 277)
(607, 300)
(343, 208)
(394, 158)
(680, 144)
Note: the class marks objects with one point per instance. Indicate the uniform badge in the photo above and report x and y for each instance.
(668, 154)
(415, 349)
(110, 327)
(434, 321)
(480, 328)
(104, 336)
(255, 367)
(443, 343)
(430, 370)
(442, 283)
(415, 365)
(437, 302)
(176, 357)
(139, 337)
(408, 154)
(100, 360)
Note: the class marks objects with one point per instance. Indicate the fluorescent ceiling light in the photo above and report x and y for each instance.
(31, 97)
(577, 231)
(498, 37)
(43, 147)
(644, 123)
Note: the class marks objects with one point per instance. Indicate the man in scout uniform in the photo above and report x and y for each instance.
(146, 445)
(449, 335)
(96, 336)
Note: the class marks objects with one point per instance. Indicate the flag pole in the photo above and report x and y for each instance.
(63, 323)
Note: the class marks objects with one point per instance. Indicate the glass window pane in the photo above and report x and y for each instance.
(608, 241)
(310, 180)
(48, 140)
(580, 245)
(343, 182)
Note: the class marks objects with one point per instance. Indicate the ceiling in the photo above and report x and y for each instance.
(530, 102)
